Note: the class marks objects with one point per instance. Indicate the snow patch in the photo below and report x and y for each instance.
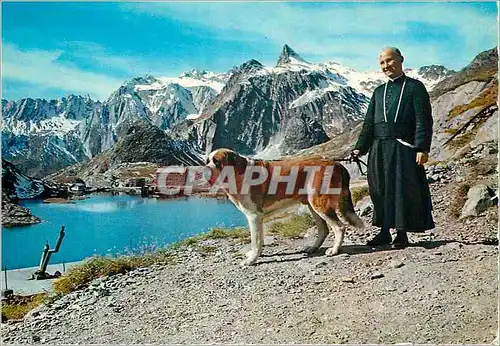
(192, 116)
(310, 96)
(185, 82)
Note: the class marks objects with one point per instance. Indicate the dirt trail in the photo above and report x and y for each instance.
(442, 289)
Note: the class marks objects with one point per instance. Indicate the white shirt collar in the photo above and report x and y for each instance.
(395, 78)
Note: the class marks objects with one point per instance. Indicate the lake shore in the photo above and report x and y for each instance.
(19, 280)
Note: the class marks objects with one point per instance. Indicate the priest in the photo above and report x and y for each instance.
(397, 133)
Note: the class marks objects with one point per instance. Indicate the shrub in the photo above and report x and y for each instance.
(358, 193)
(99, 266)
(16, 307)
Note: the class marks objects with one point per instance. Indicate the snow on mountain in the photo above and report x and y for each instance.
(192, 79)
(55, 117)
(18, 185)
(366, 82)
(278, 109)
(57, 125)
(339, 76)
(312, 95)
(290, 57)
(53, 134)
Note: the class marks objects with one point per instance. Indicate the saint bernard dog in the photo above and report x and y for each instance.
(259, 187)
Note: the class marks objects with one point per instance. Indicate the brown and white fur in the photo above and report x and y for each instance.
(325, 208)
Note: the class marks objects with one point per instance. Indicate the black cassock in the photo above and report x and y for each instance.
(398, 186)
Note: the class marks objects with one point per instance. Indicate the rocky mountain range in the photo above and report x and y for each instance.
(255, 109)
(138, 153)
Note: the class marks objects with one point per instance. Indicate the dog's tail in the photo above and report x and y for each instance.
(346, 206)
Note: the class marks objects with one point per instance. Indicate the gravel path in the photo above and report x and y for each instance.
(430, 293)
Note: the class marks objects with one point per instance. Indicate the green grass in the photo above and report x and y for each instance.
(17, 307)
(207, 249)
(486, 98)
(80, 275)
(358, 193)
(292, 228)
(238, 233)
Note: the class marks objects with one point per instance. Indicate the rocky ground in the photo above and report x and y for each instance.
(442, 289)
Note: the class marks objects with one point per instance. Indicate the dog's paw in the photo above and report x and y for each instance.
(250, 260)
(332, 252)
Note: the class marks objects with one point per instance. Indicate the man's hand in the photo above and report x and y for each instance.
(422, 158)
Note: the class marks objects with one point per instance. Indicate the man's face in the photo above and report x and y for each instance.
(391, 63)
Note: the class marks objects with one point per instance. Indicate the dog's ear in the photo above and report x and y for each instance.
(239, 163)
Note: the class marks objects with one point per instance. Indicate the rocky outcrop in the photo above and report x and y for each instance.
(483, 68)
(479, 198)
(364, 207)
(465, 108)
(137, 154)
(434, 73)
(16, 215)
(288, 56)
(16, 186)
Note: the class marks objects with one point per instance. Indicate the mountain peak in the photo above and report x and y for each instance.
(286, 54)
(434, 72)
(146, 79)
(194, 73)
(251, 65)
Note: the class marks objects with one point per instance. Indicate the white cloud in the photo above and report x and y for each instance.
(104, 60)
(62, 69)
(331, 30)
(42, 68)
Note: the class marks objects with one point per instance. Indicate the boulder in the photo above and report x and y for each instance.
(479, 198)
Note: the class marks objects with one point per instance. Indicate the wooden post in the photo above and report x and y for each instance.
(6, 292)
(56, 249)
(40, 273)
(44, 255)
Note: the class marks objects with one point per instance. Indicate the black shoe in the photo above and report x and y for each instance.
(383, 238)
(401, 240)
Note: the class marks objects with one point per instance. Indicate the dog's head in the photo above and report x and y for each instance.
(220, 158)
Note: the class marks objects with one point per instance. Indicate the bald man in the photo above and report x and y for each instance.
(397, 131)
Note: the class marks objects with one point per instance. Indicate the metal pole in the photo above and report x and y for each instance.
(5, 270)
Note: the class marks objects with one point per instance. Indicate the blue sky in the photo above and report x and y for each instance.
(50, 50)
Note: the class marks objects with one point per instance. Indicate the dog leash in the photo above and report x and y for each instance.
(357, 160)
